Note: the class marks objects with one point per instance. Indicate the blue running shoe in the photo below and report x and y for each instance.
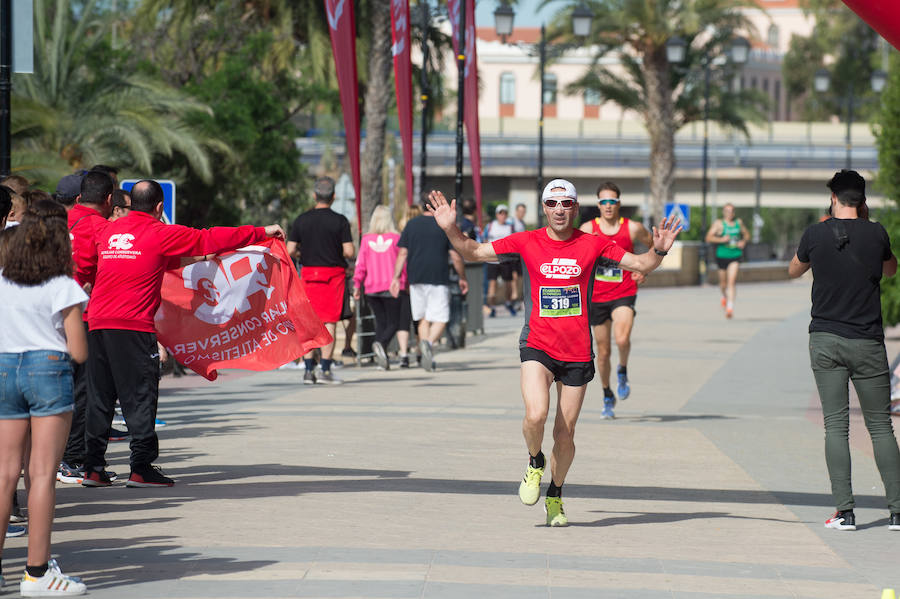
(624, 389)
(160, 423)
(14, 531)
(609, 402)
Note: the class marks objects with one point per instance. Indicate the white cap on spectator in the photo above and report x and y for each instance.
(568, 190)
(501, 208)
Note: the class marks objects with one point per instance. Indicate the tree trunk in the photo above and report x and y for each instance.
(378, 96)
(660, 126)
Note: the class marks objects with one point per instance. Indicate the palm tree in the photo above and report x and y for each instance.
(68, 115)
(666, 97)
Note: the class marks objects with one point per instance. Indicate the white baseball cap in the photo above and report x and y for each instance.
(501, 208)
(568, 190)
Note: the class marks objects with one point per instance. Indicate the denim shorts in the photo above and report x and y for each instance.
(35, 383)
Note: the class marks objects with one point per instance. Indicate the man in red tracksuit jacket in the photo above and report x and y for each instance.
(132, 255)
(85, 218)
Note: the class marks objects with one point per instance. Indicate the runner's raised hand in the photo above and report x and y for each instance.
(444, 213)
(665, 235)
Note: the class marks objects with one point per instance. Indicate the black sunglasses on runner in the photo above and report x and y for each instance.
(566, 203)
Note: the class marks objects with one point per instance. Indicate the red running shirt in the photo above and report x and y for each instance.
(84, 221)
(612, 282)
(134, 253)
(558, 278)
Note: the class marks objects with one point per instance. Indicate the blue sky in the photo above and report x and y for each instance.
(527, 14)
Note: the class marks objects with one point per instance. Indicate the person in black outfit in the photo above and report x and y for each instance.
(848, 256)
(424, 249)
(321, 238)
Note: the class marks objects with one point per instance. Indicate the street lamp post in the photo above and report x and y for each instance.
(676, 50)
(821, 83)
(460, 100)
(581, 27)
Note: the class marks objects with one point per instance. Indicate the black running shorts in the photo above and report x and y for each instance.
(723, 263)
(600, 312)
(570, 374)
(504, 271)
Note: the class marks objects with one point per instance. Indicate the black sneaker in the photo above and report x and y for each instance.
(404, 361)
(894, 522)
(309, 378)
(118, 435)
(94, 478)
(348, 353)
(843, 520)
(148, 476)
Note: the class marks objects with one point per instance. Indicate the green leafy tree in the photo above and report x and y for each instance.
(260, 178)
(78, 108)
(851, 46)
(666, 96)
(887, 139)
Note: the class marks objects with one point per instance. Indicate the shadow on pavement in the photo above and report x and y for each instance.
(665, 418)
(216, 482)
(109, 563)
(666, 517)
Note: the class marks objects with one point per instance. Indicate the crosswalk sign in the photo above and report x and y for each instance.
(168, 188)
(681, 212)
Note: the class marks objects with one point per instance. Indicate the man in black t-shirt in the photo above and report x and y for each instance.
(424, 248)
(321, 239)
(848, 256)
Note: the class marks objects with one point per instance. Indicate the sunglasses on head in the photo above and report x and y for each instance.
(608, 202)
(566, 203)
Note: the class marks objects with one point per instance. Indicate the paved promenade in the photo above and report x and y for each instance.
(710, 483)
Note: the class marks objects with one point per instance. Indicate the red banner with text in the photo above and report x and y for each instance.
(881, 15)
(470, 118)
(244, 309)
(342, 26)
(403, 84)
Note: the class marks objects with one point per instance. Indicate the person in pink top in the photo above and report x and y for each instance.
(374, 270)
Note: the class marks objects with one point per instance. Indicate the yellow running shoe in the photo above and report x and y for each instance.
(530, 487)
(556, 516)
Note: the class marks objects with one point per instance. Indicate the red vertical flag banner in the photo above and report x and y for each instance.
(342, 26)
(471, 90)
(244, 309)
(881, 15)
(403, 84)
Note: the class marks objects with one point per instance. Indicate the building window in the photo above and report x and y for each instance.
(549, 88)
(773, 37)
(591, 97)
(507, 88)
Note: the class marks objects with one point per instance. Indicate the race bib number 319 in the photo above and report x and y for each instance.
(560, 301)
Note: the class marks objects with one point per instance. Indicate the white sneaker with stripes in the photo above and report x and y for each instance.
(52, 584)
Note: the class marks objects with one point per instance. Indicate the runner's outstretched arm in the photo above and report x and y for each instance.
(445, 215)
(663, 238)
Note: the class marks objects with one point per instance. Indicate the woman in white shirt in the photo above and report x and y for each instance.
(41, 332)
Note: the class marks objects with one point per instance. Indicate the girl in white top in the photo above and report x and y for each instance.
(41, 332)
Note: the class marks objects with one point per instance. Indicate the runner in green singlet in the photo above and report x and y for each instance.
(731, 237)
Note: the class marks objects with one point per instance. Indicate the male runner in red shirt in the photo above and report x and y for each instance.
(615, 291)
(133, 254)
(555, 345)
